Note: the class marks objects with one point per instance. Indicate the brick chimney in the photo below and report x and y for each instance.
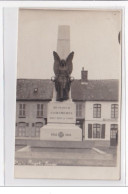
(84, 76)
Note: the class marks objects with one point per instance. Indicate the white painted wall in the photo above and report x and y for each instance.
(105, 117)
(105, 110)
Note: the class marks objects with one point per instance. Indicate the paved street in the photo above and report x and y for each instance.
(65, 157)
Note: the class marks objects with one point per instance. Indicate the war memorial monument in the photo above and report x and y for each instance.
(61, 123)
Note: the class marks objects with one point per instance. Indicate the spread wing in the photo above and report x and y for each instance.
(56, 63)
(69, 62)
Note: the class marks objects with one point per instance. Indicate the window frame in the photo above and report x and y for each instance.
(113, 129)
(114, 111)
(96, 110)
(97, 128)
(22, 110)
(40, 110)
(22, 129)
(102, 130)
(36, 129)
(79, 111)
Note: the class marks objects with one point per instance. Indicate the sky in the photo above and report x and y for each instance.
(93, 38)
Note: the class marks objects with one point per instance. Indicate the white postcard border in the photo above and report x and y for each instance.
(9, 146)
(1, 103)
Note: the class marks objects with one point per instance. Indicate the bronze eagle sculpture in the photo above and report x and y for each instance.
(62, 69)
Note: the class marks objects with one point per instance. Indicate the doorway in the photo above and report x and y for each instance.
(114, 135)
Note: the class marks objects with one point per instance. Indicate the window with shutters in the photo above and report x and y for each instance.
(22, 110)
(39, 110)
(79, 110)
(96, 131)
(97, 111)
(114, 111)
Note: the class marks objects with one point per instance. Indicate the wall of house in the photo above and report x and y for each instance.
(83, 119)
(30, 117)
(104, 119)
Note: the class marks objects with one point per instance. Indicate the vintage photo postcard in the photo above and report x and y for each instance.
(68, 96)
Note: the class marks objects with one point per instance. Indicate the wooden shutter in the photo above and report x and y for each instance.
(89, 130)
(103, 131)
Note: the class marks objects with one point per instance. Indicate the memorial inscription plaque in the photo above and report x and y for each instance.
(61, 112)
(61, 123)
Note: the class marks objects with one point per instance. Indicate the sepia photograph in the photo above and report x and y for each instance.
(68, 94)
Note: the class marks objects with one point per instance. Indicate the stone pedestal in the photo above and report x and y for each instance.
(61, 123)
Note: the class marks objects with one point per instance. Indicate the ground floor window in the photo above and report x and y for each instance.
(35, 132)
(96, 131)
(21, 130)
(114, 134)
(114, 129)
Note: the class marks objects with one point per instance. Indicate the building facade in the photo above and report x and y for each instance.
(101, 122)
(97, 109)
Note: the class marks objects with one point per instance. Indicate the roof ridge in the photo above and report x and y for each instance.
(101, 79)
(31, 79)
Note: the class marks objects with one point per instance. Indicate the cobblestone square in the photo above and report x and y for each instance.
(65, 157)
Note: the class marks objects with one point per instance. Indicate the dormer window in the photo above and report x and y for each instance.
(35, 90)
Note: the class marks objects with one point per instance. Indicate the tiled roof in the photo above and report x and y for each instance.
(94, 90)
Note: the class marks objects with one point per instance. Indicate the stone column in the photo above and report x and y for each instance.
(63, 42)
(54, 94)
(63, 48)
